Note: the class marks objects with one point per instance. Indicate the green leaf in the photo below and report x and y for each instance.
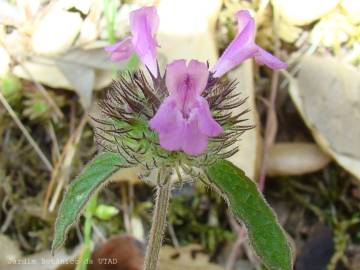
(80, 190)
(247, 204)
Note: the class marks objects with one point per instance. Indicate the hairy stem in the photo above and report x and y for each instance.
(158, 225)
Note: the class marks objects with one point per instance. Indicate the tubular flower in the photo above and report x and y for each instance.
(243, 47)
(136, 103)
(144, 23)
(184, 121)
(183, 118)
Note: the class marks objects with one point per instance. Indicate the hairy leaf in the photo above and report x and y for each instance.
(80, 190)
(247, 204)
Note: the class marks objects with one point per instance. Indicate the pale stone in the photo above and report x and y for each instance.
(56, 32)
(249, 143)
(327, 92)
(10, 14)
(122, 19)
(187, 29)
(90, 29)
(305, 11)
(352, 7)
(10, 251)
(295, 159)
(88, 32)
(81, 5)
(333, 30)
(289, 32)
(28, 9)
(16, 43)
(146, 2)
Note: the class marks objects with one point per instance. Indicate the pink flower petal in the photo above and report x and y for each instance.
(184, 121)
(144, 23)
(184, 83)
(176, 73)
(240, 49)
(173, 140)
(243, 17)
(121, 50)
(194, 141)
(199, 73)
(206, 122)
(263, 57)
(165, 115)
(169, 124)
(243, 47)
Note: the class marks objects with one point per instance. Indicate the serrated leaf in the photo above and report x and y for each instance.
(80, 190)
(248, 205)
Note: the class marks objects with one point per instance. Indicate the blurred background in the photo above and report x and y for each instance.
(305, 149)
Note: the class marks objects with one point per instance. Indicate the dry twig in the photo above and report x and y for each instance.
(25, 132)
(63, 165)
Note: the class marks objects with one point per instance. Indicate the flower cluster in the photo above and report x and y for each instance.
(183, 117)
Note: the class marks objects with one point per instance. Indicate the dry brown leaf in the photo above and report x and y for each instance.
(80, 70)
(295, 159)
(94, 58)
(46, 72)
(82, 78)
(327, 95)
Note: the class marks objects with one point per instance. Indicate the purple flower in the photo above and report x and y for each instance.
(243, 47)
(184, 121)
(144, 23)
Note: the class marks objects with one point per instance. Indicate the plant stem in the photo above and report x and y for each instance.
(271, 125)
(158, 225)
(86, 249)
(110, 14)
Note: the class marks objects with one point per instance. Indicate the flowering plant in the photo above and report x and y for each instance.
(180, 122)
